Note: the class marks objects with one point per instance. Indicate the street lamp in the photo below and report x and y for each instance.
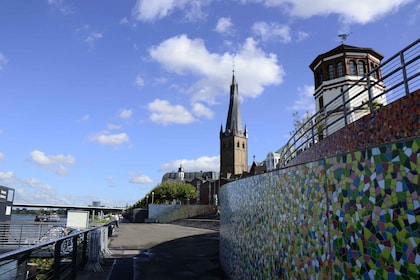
(153, 197)
(147, 201)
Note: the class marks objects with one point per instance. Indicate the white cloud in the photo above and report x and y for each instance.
(57, 163)
(201, 110)
(7, 177)
(163, 112)
(104, 138)
(3, 61)
(124, 20)
(146, 10)
(110, 181)
(224, 25)
(1, 156)
(92, 38)
(272, 31)
(356, 11)
(62, 6)
(182, 55)
(84, 118)
(305, 101)
(139, 80)
(193, 165)
(112, 126)
(136, 178)
(125, 113)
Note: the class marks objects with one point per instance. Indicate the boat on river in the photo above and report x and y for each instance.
(53, 217)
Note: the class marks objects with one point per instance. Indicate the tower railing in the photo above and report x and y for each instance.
(396, 77)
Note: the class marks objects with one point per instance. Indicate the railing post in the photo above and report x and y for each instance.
(404, 72)
(84, 248)
(369, 89)
(344, 106)
(74, 258)
(57, 259)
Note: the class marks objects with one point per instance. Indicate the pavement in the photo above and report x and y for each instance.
(186, 249)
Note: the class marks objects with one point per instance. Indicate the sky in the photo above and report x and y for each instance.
(100, 98)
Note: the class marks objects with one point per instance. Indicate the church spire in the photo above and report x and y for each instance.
(234, 121)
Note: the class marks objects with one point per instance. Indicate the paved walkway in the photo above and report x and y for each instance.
(160, 251)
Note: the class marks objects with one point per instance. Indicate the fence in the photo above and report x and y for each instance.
(399, 77)
(53, 252)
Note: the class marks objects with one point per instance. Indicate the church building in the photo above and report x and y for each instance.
(234, 139)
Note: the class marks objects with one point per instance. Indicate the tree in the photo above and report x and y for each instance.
(170, 190)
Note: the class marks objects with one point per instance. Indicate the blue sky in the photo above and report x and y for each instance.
(100, 98)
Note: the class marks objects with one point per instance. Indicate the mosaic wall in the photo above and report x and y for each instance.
(354, 216)
(396, 121)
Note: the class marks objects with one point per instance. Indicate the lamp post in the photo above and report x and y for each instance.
(147, 201)
(153, 197)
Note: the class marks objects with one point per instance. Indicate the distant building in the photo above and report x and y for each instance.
(234, 139)
(336, 73)
(233, 157)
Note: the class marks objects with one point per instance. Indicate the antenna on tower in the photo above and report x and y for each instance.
(344, 37)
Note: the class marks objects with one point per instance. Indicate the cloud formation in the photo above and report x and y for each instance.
(105, 138)
(136, 178)
(3, 61)
(272, 31)
(224, 25)
(356, 11)
(204, 163)
(57, 163)
(125, 113)
(184, 56)
(162, 112)
(146, 10)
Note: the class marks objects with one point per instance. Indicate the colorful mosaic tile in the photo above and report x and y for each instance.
(354, 216)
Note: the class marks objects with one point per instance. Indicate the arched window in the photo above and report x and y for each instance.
(331, 72)
(374, 73)
(352, 66)
(237, 144)
(243, 145)
(340, 69)
(361, 68)
(320, 78)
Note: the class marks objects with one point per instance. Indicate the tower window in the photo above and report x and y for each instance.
(320, 78)
(237, 144)
(321, 103)
(352, 66)
(331, 71)
(243, 145)
(340, 70)
(361, 68)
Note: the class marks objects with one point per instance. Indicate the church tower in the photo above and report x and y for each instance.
(234, 140)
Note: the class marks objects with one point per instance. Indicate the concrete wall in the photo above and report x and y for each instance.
(164, 213)
(351, 216)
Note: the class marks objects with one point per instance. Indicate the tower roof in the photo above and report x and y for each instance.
(234, 121)
(343, 49)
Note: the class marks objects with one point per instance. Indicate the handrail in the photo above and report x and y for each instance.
(58, 249)
(400, 77)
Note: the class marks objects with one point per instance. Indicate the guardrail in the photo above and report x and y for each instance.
(59, 255)
(400, 77)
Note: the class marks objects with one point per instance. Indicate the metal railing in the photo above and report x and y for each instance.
(400, 76)
(56, 254)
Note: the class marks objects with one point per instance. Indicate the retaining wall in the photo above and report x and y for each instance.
(351, 216)
(165, 213)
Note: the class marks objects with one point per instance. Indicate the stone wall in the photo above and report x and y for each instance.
(350, 216)
(165, 213)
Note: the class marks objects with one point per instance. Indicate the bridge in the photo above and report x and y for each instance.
(70, 207)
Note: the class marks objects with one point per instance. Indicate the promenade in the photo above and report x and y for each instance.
(186, 250)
